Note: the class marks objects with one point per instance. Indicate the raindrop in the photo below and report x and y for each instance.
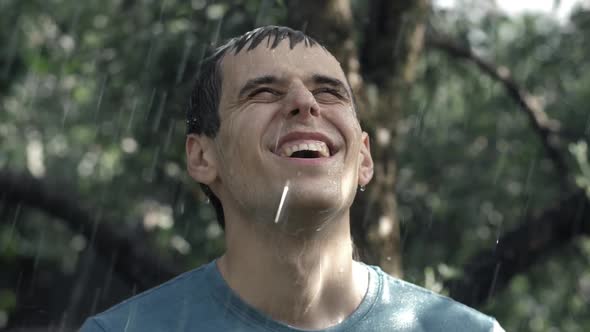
(158, 119)
(152, 170)
(201, 57)
(527, 191)
(283, 196)
(67, 108)
(132, 115)
(109, 275)
(530, 172)
(97, 296)
(150, 103)
(39, 250)
(215, 36)
(14, 220)
(171, 127)
(419, 124)
(499, 167)
(493, 285)
(182, 66)
(100, 95)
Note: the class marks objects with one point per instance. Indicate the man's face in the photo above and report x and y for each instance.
(287, 118)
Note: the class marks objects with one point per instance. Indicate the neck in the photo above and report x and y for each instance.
(307, 280)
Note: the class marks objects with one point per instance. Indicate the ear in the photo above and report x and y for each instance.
(201, 161)
(365, 173)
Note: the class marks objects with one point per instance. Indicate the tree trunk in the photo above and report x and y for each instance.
(393, 44)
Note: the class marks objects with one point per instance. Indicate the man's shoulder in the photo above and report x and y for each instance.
(410, 304)
(168, 301)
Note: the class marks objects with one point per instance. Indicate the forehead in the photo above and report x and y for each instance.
(283, 62)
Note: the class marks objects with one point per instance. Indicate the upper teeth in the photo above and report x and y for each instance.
(288, 149)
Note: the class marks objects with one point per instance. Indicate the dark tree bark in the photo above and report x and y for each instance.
(130, 257)
(392, 47)
(490, 271)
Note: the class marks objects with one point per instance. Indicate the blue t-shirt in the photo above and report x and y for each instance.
(200, 300)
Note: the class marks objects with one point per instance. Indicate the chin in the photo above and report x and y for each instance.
(317, 204)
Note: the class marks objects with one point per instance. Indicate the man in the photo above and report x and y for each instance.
(274, 140)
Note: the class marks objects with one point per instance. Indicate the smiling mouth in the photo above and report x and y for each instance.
(305, 149)
(308, 146)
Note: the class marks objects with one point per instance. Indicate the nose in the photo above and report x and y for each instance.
(301, 103)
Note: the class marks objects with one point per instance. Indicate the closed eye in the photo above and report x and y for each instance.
(329, 91)
(264, 90)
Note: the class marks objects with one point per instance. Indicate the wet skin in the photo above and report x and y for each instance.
(280, 97)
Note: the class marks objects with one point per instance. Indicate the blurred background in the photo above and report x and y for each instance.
(477, 110)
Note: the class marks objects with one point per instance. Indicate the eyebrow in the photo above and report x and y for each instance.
(254, 82)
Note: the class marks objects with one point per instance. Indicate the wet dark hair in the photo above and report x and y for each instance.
(202, 117)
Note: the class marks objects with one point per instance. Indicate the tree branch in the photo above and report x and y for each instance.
(546, 128)
(490, 271)
(393, 40)
(129, 256)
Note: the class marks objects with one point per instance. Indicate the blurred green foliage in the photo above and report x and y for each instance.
(92, 96)
(472, 168)
(580, 152)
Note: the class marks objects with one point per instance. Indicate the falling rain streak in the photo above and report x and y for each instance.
(188, 46)
(283, 198)
(99, 98)
(159, 113)
(12, 227)
(494, 279)
(132, 115)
